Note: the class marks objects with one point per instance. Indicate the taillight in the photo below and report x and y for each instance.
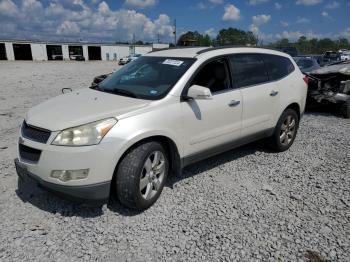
(306, 79)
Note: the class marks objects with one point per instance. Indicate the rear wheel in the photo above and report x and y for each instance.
(285, 131)
(141, 175)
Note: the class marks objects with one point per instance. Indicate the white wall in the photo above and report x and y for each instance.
(114, 52)
(65, 52)
(9, 51)
(160, 46)
(39, 52)
(143, 49)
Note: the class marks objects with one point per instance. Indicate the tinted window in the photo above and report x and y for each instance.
(248, 69)
(147, 77)
(279, 66)
(214, 75)
(305, 63)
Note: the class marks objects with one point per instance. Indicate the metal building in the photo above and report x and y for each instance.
(43, 51)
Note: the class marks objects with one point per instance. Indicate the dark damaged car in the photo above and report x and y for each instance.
(331, 85)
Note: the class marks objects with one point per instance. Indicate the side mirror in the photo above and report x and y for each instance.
(199, 92)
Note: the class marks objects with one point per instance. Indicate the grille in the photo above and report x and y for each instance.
(29, 154)
(35, 133)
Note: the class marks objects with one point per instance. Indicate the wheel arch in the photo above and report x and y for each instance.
(170, 147)
(294, 106)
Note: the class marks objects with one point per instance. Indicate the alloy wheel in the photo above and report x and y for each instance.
(152, 175)
(288, 129)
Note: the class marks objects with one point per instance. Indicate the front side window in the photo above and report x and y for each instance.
(248, 70)
(279, 66)
(147, 77)
(215, 75)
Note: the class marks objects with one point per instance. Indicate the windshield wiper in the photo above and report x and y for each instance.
(95, 86)
(122, 92)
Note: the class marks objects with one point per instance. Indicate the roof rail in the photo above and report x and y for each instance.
(224, 47)
(177, 47)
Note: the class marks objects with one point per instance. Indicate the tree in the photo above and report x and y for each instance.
(234, 36)
(194, 39)
(303, 45)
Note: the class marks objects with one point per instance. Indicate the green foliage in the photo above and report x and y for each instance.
(229, 36)
(314, 45)
(234, 36)
(194, 39)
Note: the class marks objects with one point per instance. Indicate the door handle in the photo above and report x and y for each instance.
(273, 93)
(234, 103)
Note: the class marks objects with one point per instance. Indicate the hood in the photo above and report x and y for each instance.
(81, 107)
(342, 68)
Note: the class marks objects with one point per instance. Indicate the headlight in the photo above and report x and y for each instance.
(85, 135)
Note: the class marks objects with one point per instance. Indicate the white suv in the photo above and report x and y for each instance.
(156, 115)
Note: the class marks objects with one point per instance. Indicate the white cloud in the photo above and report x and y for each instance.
(257, 21)
(308, 2)
(254, 28)
(345, 33)
(211, 32)
(69, 19)
(232, 13)
(8, 8)
(103, 7)
(291, 35)
(256, 2)
(284, 23)
(216, 2)
(295, 35)
(141, 3)
(261, 19)
(332, 5)
(68, 28)
(200, 6)
(278, 6)
(302, 20)
(325, 14)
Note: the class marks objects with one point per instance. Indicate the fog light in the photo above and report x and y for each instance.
(67, 175)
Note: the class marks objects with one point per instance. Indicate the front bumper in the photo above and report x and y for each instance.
(92, 195)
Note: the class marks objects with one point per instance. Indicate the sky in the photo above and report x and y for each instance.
(150, 20)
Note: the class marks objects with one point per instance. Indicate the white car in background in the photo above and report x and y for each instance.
(124, 60)
(134, 57)
(344, 55)
(148, 120)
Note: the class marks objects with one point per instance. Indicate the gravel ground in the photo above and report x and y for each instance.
(248, 204)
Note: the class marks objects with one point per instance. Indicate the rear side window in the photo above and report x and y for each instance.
(248, 70)
(279, 66)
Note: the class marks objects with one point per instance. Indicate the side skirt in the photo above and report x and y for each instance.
(225, 147)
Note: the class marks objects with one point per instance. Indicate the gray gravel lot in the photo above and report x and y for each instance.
(249, 204)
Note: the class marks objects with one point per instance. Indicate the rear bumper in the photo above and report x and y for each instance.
(92, 195)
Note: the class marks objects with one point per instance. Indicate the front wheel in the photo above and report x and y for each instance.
(141, 175)
(285, 131)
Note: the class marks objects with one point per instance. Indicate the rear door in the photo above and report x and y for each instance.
(260, 95)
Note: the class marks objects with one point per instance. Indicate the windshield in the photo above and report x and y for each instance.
(147, 77)
(304, 63)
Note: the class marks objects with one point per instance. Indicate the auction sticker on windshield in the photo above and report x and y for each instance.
(173, 62)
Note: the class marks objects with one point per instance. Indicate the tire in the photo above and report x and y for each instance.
(141, 175)
(282, 143)
(345, 109)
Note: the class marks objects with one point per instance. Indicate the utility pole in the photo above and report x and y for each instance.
(175, 43)
(158, 38)
(133, 42)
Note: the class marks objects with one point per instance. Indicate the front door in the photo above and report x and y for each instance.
(211, 123)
